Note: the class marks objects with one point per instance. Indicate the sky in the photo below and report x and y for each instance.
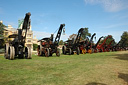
(103, 17)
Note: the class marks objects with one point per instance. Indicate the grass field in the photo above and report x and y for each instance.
(109, 68)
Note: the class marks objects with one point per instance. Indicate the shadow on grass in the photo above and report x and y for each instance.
(122, 56)
(95, 83)
(123, 76)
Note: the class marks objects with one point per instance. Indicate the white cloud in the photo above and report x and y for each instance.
(110, 5)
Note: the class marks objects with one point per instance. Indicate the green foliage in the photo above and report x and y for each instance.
(35, 46)
(86, 33)
(124, 38)
(61, 42)
(1, 35)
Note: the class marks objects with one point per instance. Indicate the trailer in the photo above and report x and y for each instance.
(47, 46)
(72, 46)
(17, 46)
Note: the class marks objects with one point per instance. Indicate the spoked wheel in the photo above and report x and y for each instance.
(6, 50)
(38, 51)
(46, 52)
(78, 51)
(11, 53)
(64, 49)
(58, 52)
(28, 53)
(84, 51)
(96, 50)
(90, 51)
(70, 51)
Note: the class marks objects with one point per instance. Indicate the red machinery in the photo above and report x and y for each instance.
(86, 45)
(101, 47)
(95, 46)
(83, 45)
(90, 44)
(47, 46)
(109, 47)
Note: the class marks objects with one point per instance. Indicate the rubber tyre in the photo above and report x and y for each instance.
(70, 51)
(64, 49)
(28, 53)
(78, 51)
(58, 52)
(46, 52)
(11, 53)
(6, 50)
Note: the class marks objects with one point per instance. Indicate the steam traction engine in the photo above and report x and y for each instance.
(47, 47)
(17, 46)
(90, 44)
(95, 46)
(101, 47)
(72, 46)
(109, 47)
(83, 45)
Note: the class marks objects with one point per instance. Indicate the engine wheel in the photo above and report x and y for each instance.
(78, 51)
(58, 52)
(46, 52)
(28, 53)
(90, 51)
(84, 51)
(11, 53)
(38, 51)
(70, 51)
(6, 50)
(64, 49)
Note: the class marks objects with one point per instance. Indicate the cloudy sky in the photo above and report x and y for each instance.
(103, 17)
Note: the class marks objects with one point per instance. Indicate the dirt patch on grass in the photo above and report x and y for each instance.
(122, 52)
(95, 83)
(124, 77)
(123, 55)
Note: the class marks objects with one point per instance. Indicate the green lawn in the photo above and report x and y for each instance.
(109, 68)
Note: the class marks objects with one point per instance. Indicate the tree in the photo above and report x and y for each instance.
(124, 38)
(73, 36)
(61, 42)
(83, 36)
(86, 33)
(35, 46)
(2, 35)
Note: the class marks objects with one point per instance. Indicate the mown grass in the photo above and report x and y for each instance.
(109, 68)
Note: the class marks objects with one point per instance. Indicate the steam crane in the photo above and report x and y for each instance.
(95, 46)
(109, 47)
(83, 45)
(73, 47)
(47, 47)
(89, 46)
(119, 46)
(101, 47)
(17, 46)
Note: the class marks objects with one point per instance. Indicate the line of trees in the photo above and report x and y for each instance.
(2, 41)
